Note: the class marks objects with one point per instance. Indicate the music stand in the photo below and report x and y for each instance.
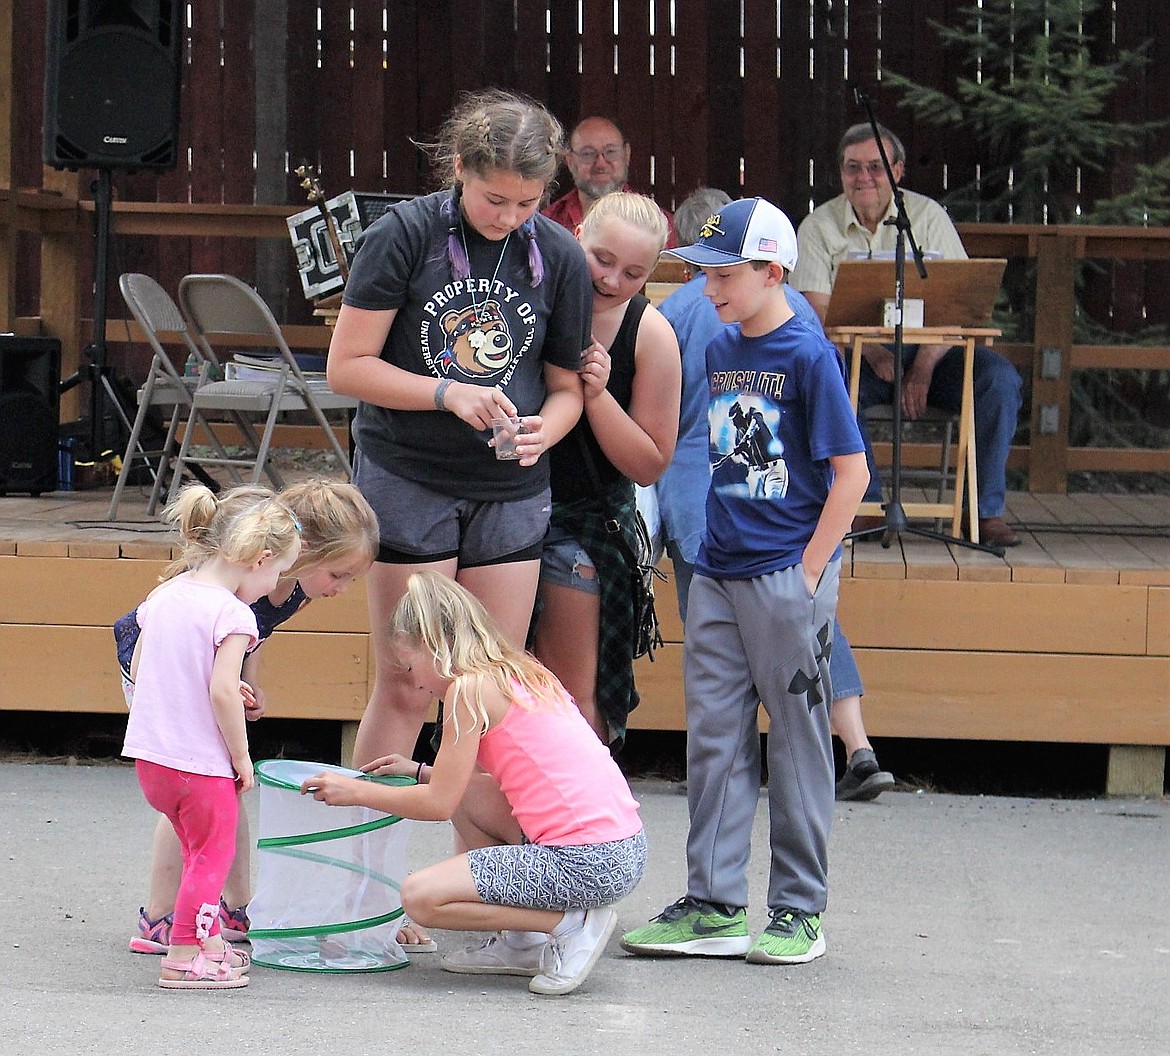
(958, 298)
(957, 293)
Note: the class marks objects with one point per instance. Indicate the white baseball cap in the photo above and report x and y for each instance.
(748, 229)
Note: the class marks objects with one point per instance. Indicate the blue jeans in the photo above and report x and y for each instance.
(844, 678)
(997, 387)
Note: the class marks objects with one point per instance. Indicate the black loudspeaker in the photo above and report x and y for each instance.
(112, 80)
(30, 368)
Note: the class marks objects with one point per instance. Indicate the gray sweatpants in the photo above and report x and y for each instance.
(748, 642)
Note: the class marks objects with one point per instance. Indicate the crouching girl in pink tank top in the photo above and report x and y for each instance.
(552, 833)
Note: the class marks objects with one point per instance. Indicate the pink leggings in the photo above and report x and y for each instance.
(204, 811)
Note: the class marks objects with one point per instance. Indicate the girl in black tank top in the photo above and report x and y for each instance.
(632, 378)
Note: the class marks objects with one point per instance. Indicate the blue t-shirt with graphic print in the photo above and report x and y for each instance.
(779, 410)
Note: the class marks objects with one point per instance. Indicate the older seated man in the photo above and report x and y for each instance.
(854, 224)
(599, 162)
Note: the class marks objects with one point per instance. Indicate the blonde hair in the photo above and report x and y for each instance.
(494, 129)
(637, 210)
(446, 621)
(337, 524)
(237, 526)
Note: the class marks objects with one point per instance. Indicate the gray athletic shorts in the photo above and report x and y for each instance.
(417, 525)
(541, 877)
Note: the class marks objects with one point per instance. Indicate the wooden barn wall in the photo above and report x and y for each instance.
(750, 96)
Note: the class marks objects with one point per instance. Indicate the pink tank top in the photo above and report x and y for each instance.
(563, 786)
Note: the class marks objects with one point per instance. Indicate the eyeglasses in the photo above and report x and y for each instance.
(588, 156)
(874, 168)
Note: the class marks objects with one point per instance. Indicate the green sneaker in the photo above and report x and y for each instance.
(693, 928)
(791, 938)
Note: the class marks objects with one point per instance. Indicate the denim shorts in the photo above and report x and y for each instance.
(565, 563)
(417, 525)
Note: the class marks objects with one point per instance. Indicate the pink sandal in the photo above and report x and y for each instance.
(206, 972)
(241, 960)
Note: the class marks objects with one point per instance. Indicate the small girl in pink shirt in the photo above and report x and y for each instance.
(186, 728)
(551, 829)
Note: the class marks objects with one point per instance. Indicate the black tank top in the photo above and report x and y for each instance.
(570, 477)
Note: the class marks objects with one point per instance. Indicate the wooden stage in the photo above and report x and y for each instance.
(1064, 639)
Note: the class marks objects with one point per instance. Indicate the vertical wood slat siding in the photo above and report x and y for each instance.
(843, 45)
(634, 88)
(1116, 292)
(405, 167)
(531, 50)
(563, 91)
(1130, 289)
(237, 106)
(469, 61)
(697, 120)
(301, 78)
(1150, 21)
(937, 158)
(432, 72)
(203, 113)
(599, 86)
(333, 99)
(28, 61)
(365, 117)
(725, 95)
(680, 98)
(761, 88)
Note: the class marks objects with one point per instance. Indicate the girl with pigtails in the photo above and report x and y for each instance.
(186, 727)
(461, 307)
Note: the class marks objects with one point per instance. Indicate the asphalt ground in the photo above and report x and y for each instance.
(957, 925)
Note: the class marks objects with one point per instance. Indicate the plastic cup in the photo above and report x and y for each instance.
(505, 431)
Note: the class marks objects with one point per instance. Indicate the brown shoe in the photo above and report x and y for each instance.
(870, 526)
(995, 531)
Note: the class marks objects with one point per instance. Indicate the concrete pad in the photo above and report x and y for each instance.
(956, 925)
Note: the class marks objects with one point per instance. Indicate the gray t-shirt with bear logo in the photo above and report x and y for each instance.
(492, 329)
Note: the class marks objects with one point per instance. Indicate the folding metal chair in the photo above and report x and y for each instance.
(224, 306)
(164, 387)
(942, 423)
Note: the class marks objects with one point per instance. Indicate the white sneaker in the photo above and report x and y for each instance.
(493, 956)
(567, 959)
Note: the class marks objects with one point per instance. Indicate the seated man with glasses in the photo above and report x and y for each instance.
(598, 159)
(853, 225)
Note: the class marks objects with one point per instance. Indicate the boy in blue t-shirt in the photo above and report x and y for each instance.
(788, 472)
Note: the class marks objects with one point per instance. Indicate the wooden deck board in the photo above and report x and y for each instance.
(952, 642)
(1150, 511)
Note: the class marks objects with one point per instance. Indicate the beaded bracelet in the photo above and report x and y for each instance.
(440, 394)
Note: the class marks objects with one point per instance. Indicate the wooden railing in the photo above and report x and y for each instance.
(1051, 356)
(64, 226)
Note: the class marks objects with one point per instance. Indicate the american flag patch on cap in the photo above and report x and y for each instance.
(767, 245)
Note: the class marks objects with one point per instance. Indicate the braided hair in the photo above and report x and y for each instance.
(496, 130)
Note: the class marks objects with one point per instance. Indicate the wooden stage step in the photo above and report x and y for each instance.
(1064, 639)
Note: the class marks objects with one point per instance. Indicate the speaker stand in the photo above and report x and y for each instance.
(97, 371)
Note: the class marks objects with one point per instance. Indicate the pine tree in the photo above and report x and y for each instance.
(1034, 94)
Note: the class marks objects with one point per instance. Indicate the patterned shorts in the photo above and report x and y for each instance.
(542, 877)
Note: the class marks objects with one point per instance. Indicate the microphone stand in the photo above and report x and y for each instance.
(895, 515)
